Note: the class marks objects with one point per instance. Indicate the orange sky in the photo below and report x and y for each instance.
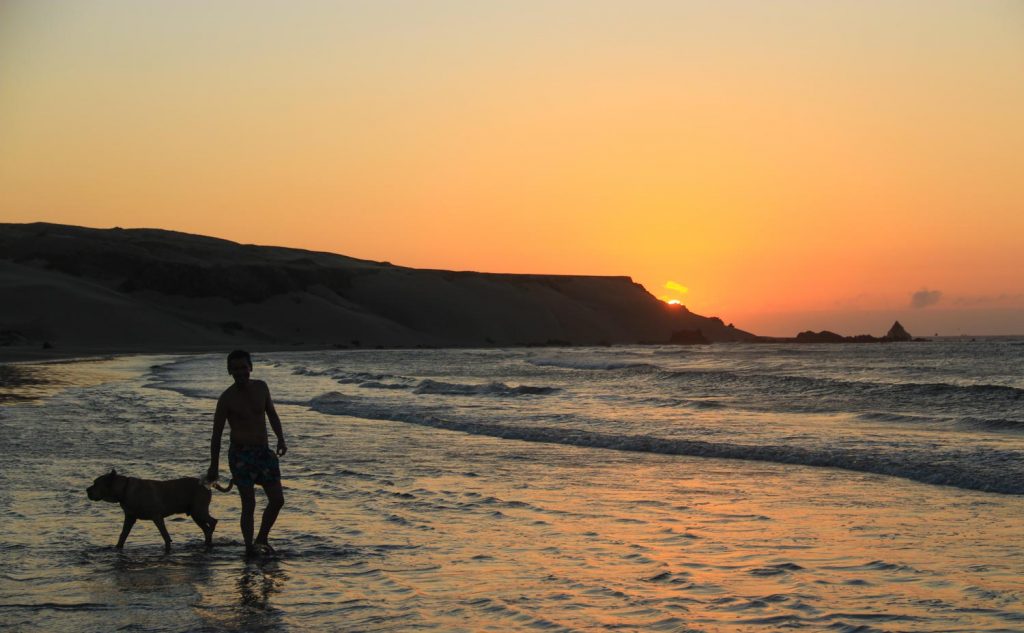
(794, 165)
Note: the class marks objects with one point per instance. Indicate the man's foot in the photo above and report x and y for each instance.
(259, 548)
(266, 548)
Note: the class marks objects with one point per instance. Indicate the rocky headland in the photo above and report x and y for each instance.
(67, 289)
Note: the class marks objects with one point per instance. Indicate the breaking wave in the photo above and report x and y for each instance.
(593, 365)
(885, 416)
(982, 469)
(798, 393)
(373, 384)
(490, 389)
(991, 424)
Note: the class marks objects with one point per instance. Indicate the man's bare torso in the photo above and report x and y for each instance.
(245, 409)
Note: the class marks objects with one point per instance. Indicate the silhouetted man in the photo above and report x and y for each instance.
(245, 406)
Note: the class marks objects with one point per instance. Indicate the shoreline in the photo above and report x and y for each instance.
(10, 355)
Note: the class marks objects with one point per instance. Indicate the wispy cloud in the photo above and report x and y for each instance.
(991, 301)
(680, 288)
(924, 298)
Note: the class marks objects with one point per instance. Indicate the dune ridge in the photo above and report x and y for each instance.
(116, 290)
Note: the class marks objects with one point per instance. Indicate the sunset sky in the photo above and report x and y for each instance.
(783, 165)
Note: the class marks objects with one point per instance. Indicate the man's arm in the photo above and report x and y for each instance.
(275, 423)
(219, 417)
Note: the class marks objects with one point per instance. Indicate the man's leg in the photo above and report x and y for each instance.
(275, 500)
(248, 495)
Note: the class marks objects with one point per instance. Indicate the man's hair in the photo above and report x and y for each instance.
(240, 353)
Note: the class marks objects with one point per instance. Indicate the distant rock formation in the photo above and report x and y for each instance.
(110, 290)
(819, 337)
(898, 334)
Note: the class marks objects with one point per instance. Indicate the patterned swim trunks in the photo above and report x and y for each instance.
(251, 465)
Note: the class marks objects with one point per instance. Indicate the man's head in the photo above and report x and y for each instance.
(240, 366)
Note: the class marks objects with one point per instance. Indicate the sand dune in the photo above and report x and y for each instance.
(110, 290)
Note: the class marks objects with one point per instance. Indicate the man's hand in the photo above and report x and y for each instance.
(281, 448)
(212, 474)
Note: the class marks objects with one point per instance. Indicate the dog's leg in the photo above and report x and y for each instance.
(206, 523)
(163, 532)
(129, 521)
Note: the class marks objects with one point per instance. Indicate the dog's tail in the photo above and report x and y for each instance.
(223, 488)
(213, 483)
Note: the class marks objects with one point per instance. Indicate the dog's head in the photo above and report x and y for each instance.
(103, 488)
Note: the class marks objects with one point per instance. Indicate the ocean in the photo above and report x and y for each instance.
(735, 487)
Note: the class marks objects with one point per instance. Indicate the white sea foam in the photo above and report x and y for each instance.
(980, 468)
(592, 365)
(489, 389)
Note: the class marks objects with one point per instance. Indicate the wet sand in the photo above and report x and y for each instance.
(393, 527)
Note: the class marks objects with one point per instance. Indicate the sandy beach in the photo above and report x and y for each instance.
(392, 527)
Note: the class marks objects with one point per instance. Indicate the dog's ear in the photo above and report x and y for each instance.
(113, 471)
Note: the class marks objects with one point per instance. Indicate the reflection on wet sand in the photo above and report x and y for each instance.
(136, 589)
(258, 581)
(160, 574)
(24, 382)
(251, 606)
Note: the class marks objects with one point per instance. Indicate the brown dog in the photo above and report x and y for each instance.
(154, 500)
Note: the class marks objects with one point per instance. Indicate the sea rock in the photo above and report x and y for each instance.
(819, 337)
(898, 334)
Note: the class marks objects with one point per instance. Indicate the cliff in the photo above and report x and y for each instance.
(154, 290)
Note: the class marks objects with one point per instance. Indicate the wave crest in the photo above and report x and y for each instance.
(594, 365)
(434, 387)
(966, 469)
(991, 424)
